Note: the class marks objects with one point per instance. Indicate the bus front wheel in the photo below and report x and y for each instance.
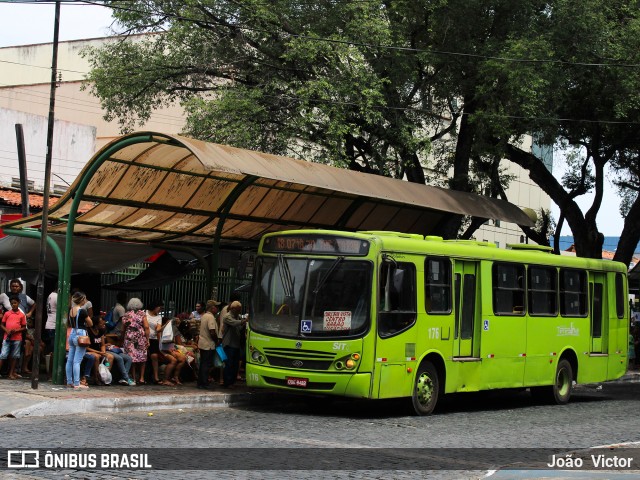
(560, 391)
(425, 391)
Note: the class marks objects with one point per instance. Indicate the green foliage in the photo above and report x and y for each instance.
(377, 86)
(296, 77)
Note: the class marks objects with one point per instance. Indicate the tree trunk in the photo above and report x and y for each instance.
(461, 162)
(587, 240)
(630, 234)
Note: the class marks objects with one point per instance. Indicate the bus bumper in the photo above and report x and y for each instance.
(356, 385)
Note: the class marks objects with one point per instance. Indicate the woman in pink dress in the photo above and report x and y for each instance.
(136, 338)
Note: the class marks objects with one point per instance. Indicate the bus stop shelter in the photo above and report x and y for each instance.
(150, 188)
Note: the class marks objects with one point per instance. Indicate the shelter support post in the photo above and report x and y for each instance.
(58, 352)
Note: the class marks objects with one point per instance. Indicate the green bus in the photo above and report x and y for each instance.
(387, 315)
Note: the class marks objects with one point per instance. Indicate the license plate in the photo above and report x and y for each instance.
(297, 382)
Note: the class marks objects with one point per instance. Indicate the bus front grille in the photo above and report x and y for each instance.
(303, 364)
(299, 359)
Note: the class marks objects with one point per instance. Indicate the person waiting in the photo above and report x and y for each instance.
(232, 342)
(14, 322)
(97, 348)
(121, 360)
(169, 349)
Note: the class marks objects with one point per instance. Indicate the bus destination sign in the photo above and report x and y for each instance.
(327, 245)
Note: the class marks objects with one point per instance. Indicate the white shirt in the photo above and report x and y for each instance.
(154, 320)
(52, 307)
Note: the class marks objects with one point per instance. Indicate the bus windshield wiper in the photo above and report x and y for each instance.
(288, 283)
(327, 274)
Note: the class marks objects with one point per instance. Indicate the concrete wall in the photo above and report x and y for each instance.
(73, 146)
(25, 84)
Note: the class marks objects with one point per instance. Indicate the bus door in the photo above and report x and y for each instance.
(465, 308)
(599, 314)
(396, 318)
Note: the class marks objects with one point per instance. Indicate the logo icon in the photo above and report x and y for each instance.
(23, 459)
(297, 363)
(305, 326)
(298, 345)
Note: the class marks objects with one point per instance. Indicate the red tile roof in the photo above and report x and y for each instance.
(12, 196)
(606, 255)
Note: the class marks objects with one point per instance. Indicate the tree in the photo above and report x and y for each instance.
(281, 77)
(382, 86)
(573, 79)
(362, 85)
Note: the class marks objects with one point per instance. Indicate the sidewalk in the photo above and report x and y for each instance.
(18, 399)
(631, 376)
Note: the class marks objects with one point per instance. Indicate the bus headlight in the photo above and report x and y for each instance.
(350, 363)
(256, 356)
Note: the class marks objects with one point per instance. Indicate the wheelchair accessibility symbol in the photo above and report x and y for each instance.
(305, 326)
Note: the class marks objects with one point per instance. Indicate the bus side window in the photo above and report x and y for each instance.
(397, 294)
(573, 293)
(543, 290)
(437, 285)
(508, 289)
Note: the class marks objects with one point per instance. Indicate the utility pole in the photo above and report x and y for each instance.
(35, 369)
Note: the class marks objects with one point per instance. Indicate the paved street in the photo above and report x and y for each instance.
(488, 420)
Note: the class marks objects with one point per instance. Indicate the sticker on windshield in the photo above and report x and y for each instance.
(337, 320)
(305, 326)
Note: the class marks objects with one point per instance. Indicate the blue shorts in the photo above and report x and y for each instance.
(10, 347)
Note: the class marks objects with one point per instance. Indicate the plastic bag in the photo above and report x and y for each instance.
(217, 361)
(167, 333)
(104, 373)
(220, 353)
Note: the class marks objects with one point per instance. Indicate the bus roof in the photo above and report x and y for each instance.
(432, 245)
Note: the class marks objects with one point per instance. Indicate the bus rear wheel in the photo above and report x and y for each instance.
(426, 389)
(560, 391)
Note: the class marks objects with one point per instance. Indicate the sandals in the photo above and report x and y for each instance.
(81, 387)
(15, 376)
(167, 383)
(176, 381)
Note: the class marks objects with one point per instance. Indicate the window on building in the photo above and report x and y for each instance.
(543, 291)
(508, 289)
(573, 293)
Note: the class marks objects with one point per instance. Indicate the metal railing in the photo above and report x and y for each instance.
(180, 295)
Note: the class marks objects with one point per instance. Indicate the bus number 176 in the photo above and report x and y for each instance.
(434, 333)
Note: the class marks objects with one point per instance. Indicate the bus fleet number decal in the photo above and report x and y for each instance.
(434, 333)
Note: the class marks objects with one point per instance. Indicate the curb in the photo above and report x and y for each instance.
(75, 406)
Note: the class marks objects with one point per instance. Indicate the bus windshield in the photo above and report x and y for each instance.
(310, 297)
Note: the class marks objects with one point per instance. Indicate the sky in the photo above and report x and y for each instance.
(24, 24)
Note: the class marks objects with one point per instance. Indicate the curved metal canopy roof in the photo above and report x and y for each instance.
(151, 187)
